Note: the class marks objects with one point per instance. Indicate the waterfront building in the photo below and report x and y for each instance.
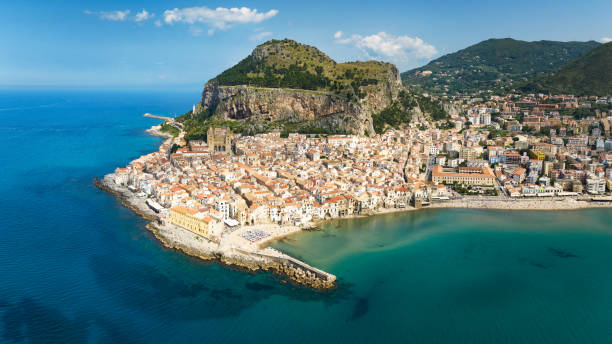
(596, 185)
(196, 222)
(519, 175)
(464, 175)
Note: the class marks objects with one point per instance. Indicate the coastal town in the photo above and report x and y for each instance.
(241, 192)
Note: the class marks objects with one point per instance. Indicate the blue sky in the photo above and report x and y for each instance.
(182, 44)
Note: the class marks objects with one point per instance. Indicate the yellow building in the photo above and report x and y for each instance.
(467, 153)
(465, 175)
(196, 222)
(536, 154)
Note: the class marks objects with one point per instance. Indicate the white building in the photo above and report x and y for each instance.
(485, 119)
(596, 185)
(223, 207)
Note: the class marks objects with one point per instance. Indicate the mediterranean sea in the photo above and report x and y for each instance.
(78, 267)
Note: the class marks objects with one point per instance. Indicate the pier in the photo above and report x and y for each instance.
(150, 115)
(168, 120)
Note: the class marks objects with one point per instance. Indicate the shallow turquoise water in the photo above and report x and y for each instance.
(471, 276)
(76, 266)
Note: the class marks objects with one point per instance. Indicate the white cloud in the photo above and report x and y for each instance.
(606, 39)
(260, 35)
(110, 15)
(220, 18)
(195, 31)
(143, 15)
(338, 34)
(115, 15)
(395, 48)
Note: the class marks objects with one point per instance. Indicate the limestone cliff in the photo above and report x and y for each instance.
(284, 81)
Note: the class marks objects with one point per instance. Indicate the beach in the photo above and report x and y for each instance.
(247, 246)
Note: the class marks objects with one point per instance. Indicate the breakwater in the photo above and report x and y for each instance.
(249, 258)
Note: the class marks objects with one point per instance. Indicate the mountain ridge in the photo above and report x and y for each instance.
(493, 63)
(588, 74)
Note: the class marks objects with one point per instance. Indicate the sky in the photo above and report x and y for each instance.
(182, 44)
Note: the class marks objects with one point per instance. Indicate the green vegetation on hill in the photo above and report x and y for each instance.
(255, 72)
(494, 64)
(167, 128)
(400, 112)
(589, 74)
(196, 126)
(288, 64)
(433, 108)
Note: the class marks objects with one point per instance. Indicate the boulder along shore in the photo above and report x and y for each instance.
(248, 258)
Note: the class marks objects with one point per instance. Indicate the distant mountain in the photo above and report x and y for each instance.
(589, 74)
(492, 64)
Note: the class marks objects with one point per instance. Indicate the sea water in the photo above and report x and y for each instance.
(77, 267)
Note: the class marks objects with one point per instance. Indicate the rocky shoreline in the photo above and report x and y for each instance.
(156, 131)
(235, 252)
(261, 258)
(250, 259)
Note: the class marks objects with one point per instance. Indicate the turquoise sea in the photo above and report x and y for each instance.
(77, 267)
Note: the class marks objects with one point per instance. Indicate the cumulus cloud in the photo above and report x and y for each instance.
(384, 45)
(143, 15)
(261, 35)
(110, 15)
(220, 18)
(606, 39)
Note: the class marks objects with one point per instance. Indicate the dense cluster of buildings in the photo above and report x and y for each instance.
(537, 144)
(231, 180)
(268, 179)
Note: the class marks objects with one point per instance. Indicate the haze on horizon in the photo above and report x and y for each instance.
(158, 44)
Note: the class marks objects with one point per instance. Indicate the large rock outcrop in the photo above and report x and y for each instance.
(269, 104)
(352, 92)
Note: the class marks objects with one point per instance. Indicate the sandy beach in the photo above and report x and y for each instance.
(246, 246)
(521, 204)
